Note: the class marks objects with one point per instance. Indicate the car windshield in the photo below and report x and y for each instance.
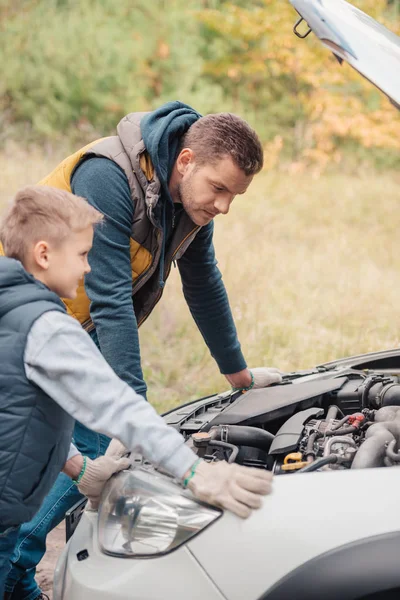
(364, 43)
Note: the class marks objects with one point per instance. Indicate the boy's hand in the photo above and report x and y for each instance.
(97, 473)
(236, 488)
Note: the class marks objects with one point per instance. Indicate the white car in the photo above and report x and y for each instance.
(331, 528)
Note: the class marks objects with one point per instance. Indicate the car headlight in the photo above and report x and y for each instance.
(145, 514)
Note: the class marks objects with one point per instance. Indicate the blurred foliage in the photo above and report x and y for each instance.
(71, 70)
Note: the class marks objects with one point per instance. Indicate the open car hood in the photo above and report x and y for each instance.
(355, 37)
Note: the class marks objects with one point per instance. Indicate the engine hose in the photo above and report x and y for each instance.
(332, 412)
(243, 436)
(391, 453)
(368, 384)
(340, 423)
(343, 431)
(310, 452)
(320, 462)
(234, 449)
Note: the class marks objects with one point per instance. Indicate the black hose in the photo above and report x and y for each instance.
(243, 436)
(332, 412)
(343, 431)
(310, 445)
(340, 423)
(234, 449)
(320, 462)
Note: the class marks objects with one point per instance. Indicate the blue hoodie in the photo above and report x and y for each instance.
(106, 187)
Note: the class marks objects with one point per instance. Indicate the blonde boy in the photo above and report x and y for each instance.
(51, 373)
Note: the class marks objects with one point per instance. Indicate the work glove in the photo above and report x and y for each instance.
(116, 449)
(96, 475)
(265, 376)
(236, 488)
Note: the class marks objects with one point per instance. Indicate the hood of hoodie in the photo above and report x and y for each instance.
(17, 287)
(161, 131)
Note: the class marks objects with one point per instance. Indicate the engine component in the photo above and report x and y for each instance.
(293, 462)
(289, 435)
(374, 391)
(243, 436)
(386, 429)
(343, 446)
(320, 462)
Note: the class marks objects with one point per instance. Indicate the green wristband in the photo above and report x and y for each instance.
(81, 474)
(245, 389)
(191, 474)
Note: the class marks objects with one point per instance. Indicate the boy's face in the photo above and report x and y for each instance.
(62, 267)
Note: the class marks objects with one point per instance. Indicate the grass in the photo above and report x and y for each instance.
(311, 267)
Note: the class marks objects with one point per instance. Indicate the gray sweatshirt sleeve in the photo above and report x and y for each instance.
(73, 451)
(62, 360)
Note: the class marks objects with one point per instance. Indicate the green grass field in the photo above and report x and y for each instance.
(311, 267)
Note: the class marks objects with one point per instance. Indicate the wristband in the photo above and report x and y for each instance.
(192, 473)
(245, 389)
(81, 474)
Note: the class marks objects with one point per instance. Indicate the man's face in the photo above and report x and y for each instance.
(208, 190)
(68, 263)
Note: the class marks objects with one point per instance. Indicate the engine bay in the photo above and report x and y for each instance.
(325, 419)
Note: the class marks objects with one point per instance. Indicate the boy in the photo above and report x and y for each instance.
(52, 373)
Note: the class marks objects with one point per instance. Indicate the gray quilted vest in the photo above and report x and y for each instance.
(35, 432)
(126, 149)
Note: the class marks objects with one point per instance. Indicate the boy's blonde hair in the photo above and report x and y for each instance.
(46, 213)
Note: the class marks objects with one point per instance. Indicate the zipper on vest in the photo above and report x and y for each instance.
(142, 320)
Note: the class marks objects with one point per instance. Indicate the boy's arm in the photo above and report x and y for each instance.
(109, 284)
(62, 360)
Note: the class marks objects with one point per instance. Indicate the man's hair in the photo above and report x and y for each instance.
(216, 136)
(40, 212)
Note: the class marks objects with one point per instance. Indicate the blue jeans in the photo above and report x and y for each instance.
(8, 539)
(31, 544)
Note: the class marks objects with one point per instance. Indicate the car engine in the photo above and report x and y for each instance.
(341, 420)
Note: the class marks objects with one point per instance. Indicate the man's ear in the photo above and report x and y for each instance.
(40, 254)
(185, 160)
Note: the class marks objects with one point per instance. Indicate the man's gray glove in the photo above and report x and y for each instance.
(265, 376)
(236, 488)
(96, 475)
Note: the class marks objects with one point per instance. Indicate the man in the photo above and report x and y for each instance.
(160, 182)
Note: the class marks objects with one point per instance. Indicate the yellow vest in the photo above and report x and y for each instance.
(127, 150)
(141, 258)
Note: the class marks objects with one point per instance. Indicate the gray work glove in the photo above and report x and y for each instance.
(96, 475)
(236, 488)
(265, 376)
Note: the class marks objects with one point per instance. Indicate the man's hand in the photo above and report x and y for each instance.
(263, 377)
(236, 488)
(97, 473)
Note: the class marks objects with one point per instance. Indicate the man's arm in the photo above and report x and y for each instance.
(109, 284)
(208, 302)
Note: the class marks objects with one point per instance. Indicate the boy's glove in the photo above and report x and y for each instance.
(116, 449)
(265, 376)
(97, 473)
(236, 488)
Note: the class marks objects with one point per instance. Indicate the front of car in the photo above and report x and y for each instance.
(152, 539)
(331, 527)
